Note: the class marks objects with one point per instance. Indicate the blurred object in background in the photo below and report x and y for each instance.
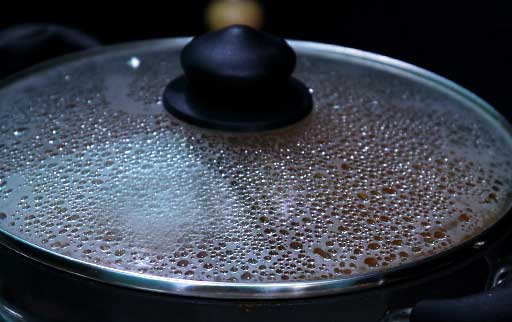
(25, 45)
(223, 13)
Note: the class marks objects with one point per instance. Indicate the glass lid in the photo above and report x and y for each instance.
(394, 165)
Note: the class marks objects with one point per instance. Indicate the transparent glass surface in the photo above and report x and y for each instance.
(393, 166)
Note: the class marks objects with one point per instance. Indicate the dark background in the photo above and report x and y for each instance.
(467, 42)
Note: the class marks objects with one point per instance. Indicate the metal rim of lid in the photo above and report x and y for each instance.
(271, 290)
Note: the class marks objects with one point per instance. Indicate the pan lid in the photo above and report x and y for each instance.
(390, 166)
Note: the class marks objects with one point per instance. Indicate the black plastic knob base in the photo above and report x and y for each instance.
(289, 104)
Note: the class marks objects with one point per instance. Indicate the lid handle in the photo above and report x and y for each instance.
(238, 79)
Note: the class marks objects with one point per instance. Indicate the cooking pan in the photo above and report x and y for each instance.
(135, 188)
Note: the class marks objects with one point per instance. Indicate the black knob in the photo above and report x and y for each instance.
(238, 79)
(237, 59)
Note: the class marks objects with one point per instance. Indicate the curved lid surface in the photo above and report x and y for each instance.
(394, 165)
